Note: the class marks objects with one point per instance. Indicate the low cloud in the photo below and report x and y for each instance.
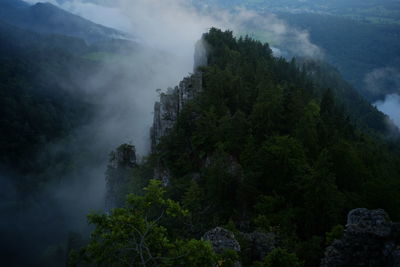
(106, 15)
(383, 81)
(391, 107)
(383, 85)
(175, 25)
(269, 28)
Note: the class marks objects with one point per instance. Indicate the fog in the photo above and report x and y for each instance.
(391, 107)
(123, 92)
(382, 81)
(175, 25)
(383, 84)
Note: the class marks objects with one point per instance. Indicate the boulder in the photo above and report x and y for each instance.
(123, 157)
(221, 240)
(370, 239)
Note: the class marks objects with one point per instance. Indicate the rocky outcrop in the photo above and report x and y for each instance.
(123, 156)
(166, 111)
(222, 240)
(370, 239)
(171, 103)
(121, 163)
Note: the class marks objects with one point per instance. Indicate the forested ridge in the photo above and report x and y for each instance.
(264, 147)
(39, 100)
(45, 98)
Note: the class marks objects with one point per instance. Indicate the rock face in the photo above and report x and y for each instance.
(370, 239)
(221, 240)
(167, 110)
(123, 156)
(166, 113)
(121, 163)
(171, 103)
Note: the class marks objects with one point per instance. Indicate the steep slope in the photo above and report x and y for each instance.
(360, 111)
(23, 41)
(262, 150)
(47, 18)
(40, 99)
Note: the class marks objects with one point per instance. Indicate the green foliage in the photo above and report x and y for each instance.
(273, 147)
(335, 233)
(135, 235)
(322, 199)
(124, 175)
(41, 105)
(274, 214)
(266, 147)
(280, 258)
(227, 258)
(311, 250)
(193, 253)
(34, 112)
(191, 200)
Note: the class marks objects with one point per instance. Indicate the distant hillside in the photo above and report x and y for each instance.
(356, 51)
(47, 18)
(38, 99)
(377, 11)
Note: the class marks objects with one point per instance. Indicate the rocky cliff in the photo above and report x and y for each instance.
(167, 109)
(166, 112)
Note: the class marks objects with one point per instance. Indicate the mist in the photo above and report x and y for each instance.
(123, 92)
(391, 107)
(382, 81)
(383, 85)
(175, 25)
